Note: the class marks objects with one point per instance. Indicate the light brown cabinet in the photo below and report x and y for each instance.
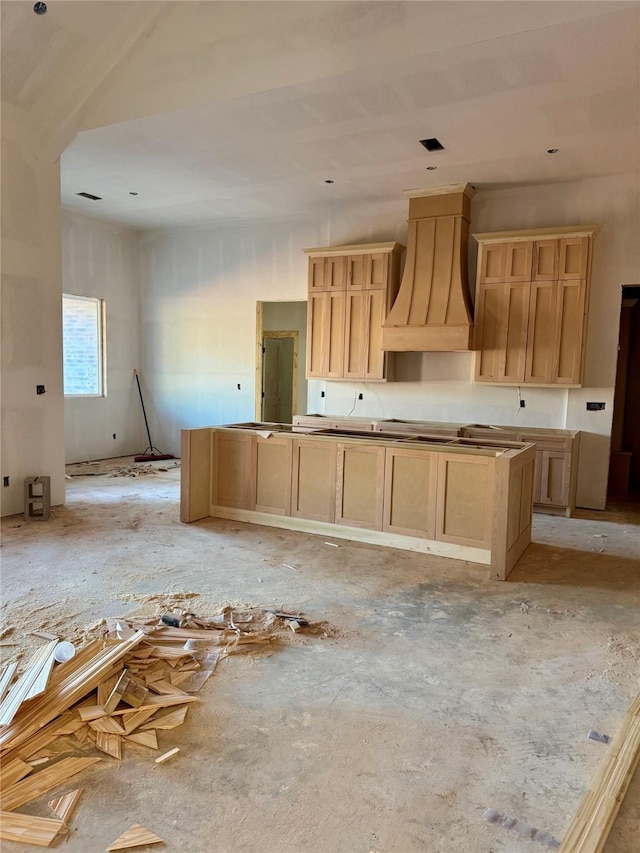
(531, 306)
(351, 289)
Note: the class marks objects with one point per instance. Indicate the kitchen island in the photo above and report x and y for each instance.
(454, 497)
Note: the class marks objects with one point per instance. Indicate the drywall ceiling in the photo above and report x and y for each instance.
(248, 152)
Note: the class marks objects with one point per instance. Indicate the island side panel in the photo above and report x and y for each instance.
(512, 510)
(195, 474)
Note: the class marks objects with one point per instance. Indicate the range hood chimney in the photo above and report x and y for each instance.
(432, 312)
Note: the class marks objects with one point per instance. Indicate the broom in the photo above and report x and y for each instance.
(151, 453)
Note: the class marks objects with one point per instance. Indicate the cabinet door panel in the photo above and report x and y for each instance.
(357, 272)
(542, 332)
(465, 500)
(316, 309)
(375, 357)
(555, 470)
(574, 253)
(514, 332)
(333, 335)
(410, 483)
(272, 475)
(518, 261)
(313, 480)
(487, 342)
(377, 268)
(316, 275)
(335, 272)
(493, 263)
(359, 486)
(571, 321)
(231, 467)
(355, 334)
(545, 260)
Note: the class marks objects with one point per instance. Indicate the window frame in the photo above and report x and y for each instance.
(102, 355)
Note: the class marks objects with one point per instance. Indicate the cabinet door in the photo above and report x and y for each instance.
(316, 275)
(493, 262)
(410, 481)
(375, 360)
(313, 480)
(333, 335)
(355, 344)
(464, 512)
(487, 333)
(545, 260)
(356, 272)
(513, 332)
(335, 273)
(316, 309)
(231, 469)
(518, 261)
(542, 332)
(570, 332)
(377, 271)
(359, 486)
(574, 255)
(555, 471)
(271, 475)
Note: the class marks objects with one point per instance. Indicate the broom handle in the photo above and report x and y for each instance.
(146, 422)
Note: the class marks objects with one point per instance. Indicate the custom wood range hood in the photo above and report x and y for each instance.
(432, 312)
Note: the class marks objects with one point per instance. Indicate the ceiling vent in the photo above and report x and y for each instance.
(432, 144)
(92, 197)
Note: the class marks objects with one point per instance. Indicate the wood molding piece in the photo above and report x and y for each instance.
(146, 738)
(107, 725)
(592, 822)
(39, 783)
(132, 721)
(356, 249)
(170, 719)
(135, 836)
(21, 690)
(12, 771)
(534, 233)
(110, 743)
(41, 831)
(5, 678)
(63, 806)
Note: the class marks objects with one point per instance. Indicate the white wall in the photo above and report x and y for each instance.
(32, 425)
(100, 259)
(200, 286)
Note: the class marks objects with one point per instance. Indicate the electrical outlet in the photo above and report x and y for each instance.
(114, 435)
(522, 404)
(40, 389)
(595, 407)
(322, 393)
(5, 481)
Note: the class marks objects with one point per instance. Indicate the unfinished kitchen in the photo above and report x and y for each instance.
(320, 426)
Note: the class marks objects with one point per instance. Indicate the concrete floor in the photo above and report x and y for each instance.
(442, 694)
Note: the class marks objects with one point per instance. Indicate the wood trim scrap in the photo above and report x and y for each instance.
(21, 690)
(41, 831)
(39, 783)
(135, 836)
(592, 822)
(63, 806)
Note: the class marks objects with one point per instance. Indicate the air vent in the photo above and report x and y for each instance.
(432, 144)
(92, 197)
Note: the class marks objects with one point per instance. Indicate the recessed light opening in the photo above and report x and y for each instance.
(432, 144)
(92, 197)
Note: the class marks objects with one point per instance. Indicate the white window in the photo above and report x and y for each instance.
(83, 346)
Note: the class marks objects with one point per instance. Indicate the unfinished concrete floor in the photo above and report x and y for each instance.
(444, 693)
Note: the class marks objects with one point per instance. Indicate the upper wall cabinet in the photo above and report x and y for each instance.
(531, 306)
(351, 289)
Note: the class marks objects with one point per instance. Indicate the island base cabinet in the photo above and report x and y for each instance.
(271, 475)
(231, 469)
(410, 480)
(465, 489)
(313, 482)
(360, 486)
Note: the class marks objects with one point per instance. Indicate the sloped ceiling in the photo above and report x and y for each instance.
(234, 111)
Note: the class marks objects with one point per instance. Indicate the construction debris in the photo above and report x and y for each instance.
(523, 829)
(136, 679)
(599, 736)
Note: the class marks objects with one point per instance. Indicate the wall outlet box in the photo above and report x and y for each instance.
(5, 481)
(522, 404)
(595, 407)
(322, 393)
(360, 396)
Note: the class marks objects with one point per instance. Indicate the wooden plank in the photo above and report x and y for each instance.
(64, 806)
(110, 743)
(20, 690)
(170, 719)
(39, 783)
(69, 691)
(12, 771)
(106, 724)
(132, 721)
(41, 831)
(6, 677)
(592, 822)
(144, 738)
(167, 755)
(40, 684)
(135, 836)
(106, 688)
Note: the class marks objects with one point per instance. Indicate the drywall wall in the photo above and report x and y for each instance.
(290, 317)
(32, 424)
(200, 286)
(99, 259)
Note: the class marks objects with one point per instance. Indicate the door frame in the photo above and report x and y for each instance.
(260, 334)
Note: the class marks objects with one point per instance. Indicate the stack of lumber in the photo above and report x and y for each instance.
(595, 816)
(116, 693)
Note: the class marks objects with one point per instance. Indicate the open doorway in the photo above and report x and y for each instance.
(624, 467)
(281, 386)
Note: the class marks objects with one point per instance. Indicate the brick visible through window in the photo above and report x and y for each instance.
(82, 333)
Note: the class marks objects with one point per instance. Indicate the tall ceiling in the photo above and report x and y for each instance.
(497, 83)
